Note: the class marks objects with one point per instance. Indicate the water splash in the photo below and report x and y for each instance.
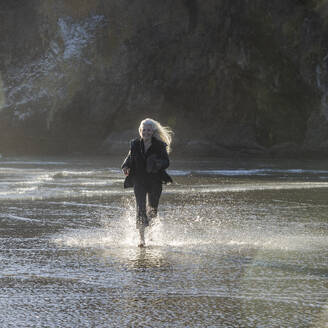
(180, 228)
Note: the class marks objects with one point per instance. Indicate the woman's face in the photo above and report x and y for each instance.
(147, 131)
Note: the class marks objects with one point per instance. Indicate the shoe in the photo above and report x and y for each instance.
(141, 245)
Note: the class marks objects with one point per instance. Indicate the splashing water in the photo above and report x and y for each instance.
(193, 227)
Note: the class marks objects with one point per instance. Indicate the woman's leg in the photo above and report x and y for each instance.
(140, 194)
(142, 236)
(153, 196)
(141, 215)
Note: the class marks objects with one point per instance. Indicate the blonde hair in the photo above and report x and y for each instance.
(163, 133)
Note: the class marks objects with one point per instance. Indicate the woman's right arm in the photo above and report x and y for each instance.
(126, 166)
(128, 163)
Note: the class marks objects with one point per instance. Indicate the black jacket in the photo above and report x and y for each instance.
(146, 166)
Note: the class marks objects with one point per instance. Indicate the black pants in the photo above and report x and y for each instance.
(147, 198)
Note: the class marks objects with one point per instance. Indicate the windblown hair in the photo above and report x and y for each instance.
(163, 133)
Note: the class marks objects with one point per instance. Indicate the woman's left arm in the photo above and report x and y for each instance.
(164, 158)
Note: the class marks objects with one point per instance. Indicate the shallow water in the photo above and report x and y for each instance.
(236, 244)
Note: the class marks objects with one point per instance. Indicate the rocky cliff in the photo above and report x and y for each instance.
(246, 76)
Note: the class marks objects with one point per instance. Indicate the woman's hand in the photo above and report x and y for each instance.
(126, 171)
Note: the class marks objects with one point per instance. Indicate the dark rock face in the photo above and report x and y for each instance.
(227, 76)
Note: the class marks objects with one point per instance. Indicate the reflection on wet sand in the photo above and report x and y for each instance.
(149, 257)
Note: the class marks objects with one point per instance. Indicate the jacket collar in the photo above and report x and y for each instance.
(142, 146)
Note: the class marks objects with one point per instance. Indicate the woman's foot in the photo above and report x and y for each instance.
(142, 237)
